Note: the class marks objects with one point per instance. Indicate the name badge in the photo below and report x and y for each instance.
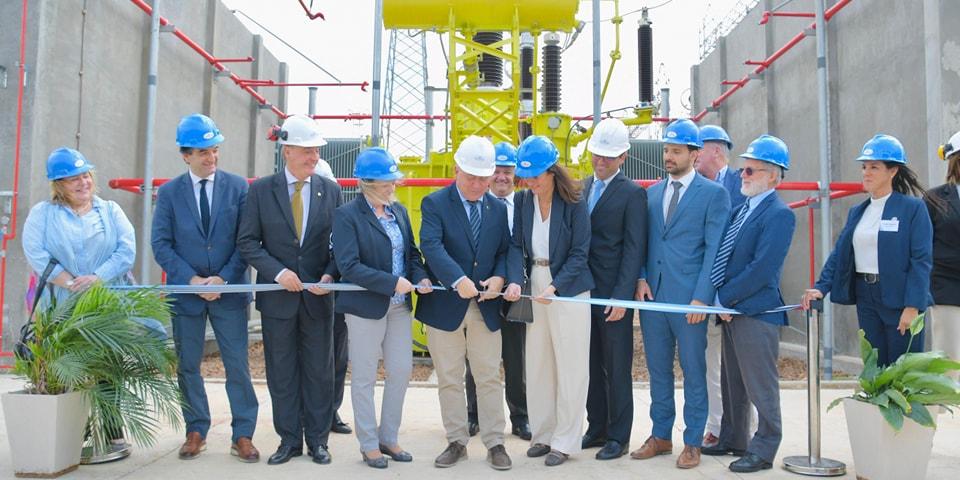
(892, 225)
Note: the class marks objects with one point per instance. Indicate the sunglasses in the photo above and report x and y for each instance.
(749, 171)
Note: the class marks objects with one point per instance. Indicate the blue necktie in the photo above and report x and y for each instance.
(726, 248)
(595, 195)
(204, 207)
(475, 222)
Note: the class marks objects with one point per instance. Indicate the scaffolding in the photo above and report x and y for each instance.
(404, 93)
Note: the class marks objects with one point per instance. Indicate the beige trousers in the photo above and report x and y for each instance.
(558, 368)
(473, 341)
(945, 332)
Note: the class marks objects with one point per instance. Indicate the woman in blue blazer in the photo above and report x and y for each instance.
(882, 260)
(551, 241)
(374, 248)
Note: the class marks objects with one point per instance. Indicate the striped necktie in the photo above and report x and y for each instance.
(296, 204)
(475, 221)
(726, 248)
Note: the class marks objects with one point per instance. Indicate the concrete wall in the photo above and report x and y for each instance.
(894, 67)
(87, 64)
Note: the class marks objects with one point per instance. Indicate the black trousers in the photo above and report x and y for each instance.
(610, 395)
(298, 353)
(340, 359)
(513, 336)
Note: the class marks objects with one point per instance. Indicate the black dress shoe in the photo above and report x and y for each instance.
(592, 441)
(473, 428)
(340, 427)
(320, 454)
(721, 450)
(612, 449)
(522, 430)
(750, 463)
(284, 454)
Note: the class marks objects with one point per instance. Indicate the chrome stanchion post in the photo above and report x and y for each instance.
(813, 464)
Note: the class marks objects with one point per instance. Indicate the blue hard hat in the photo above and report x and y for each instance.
(535, 155)
(376, 164)
(506, 154)
(884, 148)
(682, 132)
(770, 149)
(714, 133)
(66, 162)
(198, 131)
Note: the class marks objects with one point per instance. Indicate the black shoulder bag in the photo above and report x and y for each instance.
(521, 311)
(22, 349)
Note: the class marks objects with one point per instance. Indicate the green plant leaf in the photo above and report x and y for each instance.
(921, 415)
(870, 368)
(893, 416)
(930, 382)
(881, 400)
(898, 399)
(943, 364)
(916, 326)
(835, 402)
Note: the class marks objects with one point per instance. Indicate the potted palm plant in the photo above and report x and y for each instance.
(890, 425)
(92, 366)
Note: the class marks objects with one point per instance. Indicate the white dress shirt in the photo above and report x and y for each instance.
(539, 233)
(722, 173)
(865, 237)
(686, 180)
(196, 188)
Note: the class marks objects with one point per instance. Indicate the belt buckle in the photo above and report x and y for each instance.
(871, 278)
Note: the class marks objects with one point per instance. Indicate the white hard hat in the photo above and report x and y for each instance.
(476, 156)
(323, 169)
(610, 138)
(302, 131)
(951, 147)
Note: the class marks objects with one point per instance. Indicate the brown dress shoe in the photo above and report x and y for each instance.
(245, 451)
(689, 458)
(192, 446)
(652, 447)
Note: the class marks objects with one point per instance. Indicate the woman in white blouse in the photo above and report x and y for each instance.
(882, 260)
(551, 238)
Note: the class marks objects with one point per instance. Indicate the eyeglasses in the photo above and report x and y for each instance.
(749, 171)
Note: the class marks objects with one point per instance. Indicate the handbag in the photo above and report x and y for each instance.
(21, 349)
(521, 311)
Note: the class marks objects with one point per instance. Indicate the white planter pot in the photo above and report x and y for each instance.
(879, 452)
(45, 432)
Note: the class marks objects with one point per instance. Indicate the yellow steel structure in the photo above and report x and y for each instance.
(492, 112)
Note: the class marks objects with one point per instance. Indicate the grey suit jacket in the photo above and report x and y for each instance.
(268, 242)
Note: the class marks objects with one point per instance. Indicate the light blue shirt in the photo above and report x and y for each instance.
(466, 205)
(102, 242)
(399, 268)
(751, 203)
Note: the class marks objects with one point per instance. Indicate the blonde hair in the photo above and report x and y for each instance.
(369, 190)
(58, 192)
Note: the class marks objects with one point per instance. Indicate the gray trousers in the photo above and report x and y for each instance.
(370, 340)
(750, 376)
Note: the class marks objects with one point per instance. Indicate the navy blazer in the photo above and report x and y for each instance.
(732, 182)
(569, 244)
(752, 278)
(448, 252)
(268, 242)
(680, 255)
(618, 241)
(183, 251)
(905, 257)
(945, 280)
(364, 256)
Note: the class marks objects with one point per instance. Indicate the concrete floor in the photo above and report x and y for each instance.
(422, 435)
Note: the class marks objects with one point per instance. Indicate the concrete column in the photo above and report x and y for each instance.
(210, 40)
(721, 116)
(253, 135)
(768, 80)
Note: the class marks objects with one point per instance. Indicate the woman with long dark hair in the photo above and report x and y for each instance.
(882, 260)
(551, 240)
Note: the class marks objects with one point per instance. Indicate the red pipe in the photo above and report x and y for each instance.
(235, 60)
(10, 234)
(766, 15)
(313, 16)
(271, 83)
(769, 60)
(367, 116)
(210, 58)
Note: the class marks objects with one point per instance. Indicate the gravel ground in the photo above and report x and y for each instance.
(790, 368)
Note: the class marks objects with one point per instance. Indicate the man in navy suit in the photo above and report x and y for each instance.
(746, 273)
(686, 215)
(194, 241)
(285, 235)
(618, 248)
(713, 164)
(464, 238)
